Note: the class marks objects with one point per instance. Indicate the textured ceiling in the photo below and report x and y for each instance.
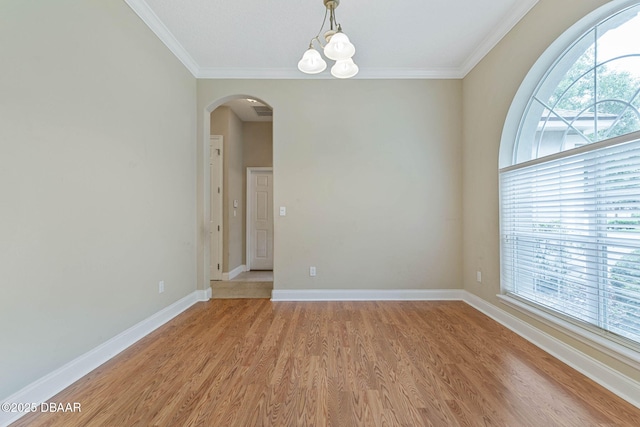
(244, 109)
(393, 39)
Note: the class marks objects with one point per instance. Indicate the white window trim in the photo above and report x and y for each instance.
(540, 68)
(623, 353)
(628, 137)
(627, 355)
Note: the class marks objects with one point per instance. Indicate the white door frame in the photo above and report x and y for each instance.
(216, 217)
(249, 207)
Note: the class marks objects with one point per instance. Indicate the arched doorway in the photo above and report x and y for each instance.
(242, 126)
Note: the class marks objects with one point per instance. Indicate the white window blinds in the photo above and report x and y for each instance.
(571, 236)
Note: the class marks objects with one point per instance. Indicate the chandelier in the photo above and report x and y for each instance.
(337, 47)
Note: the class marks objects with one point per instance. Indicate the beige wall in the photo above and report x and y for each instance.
(369, 171)
(220, 122)
(258, 152)
(97, 180)
(258, 144)
(488, 92)
(226, 123)
(235, 190)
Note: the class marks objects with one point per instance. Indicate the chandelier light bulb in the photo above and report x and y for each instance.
(312, 62)
(339, 47)
(344, 69)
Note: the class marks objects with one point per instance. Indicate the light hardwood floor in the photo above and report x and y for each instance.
(258, 363)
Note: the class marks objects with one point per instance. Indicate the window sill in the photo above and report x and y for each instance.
(627, 355)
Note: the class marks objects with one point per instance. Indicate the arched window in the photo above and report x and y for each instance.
(570, 192)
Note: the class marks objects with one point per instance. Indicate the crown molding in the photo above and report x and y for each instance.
(293, 73)
(148, 16)
(513, 17)
(410, 73)
(249, 73)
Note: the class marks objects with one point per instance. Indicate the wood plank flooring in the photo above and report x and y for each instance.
(257, 363)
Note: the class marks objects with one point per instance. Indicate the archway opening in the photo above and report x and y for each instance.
(238, 150)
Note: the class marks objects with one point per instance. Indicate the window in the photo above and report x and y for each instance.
(570, 198)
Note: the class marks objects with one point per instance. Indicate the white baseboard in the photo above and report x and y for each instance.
(235, 272)
(53, 383)
(621, 385)
(203, 295)
(366, 294)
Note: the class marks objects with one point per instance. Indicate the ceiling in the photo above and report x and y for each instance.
(250, 110)
(393, 39)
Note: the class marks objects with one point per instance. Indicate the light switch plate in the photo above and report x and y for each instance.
(283, 211)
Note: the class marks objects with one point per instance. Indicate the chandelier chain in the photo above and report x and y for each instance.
(317, 37)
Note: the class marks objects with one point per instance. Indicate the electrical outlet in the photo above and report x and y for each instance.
(479, 276)
(161, 286)
(312, 271)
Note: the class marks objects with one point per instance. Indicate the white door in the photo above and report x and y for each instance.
(215, 221)
(260, 204)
